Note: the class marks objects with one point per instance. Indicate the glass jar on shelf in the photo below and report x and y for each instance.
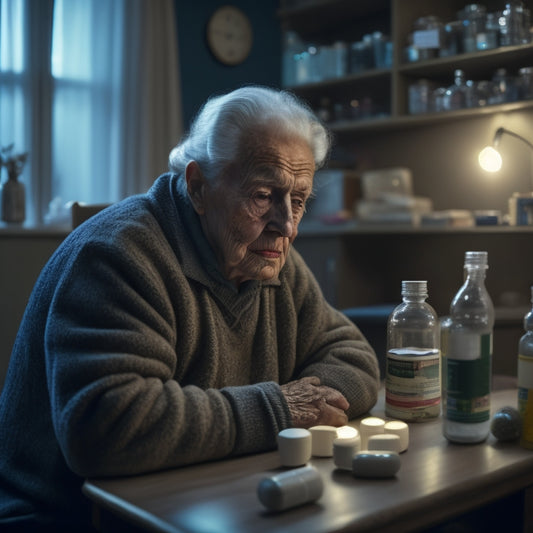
(504, 88)
(514, 24)
(428, 36)
(452, 39)
(473, 17)
(419, 100)
(525, 82)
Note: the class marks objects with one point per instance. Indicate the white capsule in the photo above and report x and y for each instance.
(294, 446)
(397, 427)
(377, 464)
(343, 451)
(323, 437)
(371, 425)
(290, 489)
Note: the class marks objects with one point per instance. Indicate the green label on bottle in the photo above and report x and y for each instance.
(468, 383)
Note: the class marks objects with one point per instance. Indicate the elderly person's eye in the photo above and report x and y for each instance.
(298, 204)
(262, 198)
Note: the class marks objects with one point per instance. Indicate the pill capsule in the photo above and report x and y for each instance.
(343, 451)
(294, 446)
(291, 488)
(370, 426)
(377, 464)
(397, 427)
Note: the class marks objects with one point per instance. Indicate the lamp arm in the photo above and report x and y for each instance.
(501, 131)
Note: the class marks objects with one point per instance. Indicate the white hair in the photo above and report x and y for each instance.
(224, 121)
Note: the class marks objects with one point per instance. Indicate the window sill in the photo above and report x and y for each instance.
(29, 230)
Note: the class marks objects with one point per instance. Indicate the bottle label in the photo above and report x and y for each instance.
(468, 376)
(413, 383)
(525, 399)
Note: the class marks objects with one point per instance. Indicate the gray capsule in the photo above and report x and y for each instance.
(291, 488)
(377, 464)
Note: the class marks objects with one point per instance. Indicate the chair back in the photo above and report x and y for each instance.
(81, 212)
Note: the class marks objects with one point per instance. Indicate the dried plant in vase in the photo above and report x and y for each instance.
(14, 163)
(12, 191)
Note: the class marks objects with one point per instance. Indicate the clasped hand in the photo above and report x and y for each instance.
(312, 404)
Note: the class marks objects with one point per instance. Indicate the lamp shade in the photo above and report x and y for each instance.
(490, 159)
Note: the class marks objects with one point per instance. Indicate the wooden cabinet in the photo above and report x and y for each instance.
(327, 21)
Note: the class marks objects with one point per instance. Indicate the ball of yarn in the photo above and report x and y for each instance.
(506, 424)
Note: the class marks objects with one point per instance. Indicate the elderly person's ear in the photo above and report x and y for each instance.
(195, 186)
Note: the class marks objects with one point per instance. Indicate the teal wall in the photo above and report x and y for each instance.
(202, 75)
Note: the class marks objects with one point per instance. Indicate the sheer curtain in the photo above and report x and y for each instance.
(101, 109)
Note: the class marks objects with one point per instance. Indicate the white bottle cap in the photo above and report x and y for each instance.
(323, 437)
(397, 427)
(384, 442)
(294, 446)
(370, 426)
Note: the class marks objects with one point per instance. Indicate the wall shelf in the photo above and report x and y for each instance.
(329, 20)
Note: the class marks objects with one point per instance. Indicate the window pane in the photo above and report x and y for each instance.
(71, 39)
(12, 52)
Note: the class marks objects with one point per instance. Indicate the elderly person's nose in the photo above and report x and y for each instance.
(281, 217)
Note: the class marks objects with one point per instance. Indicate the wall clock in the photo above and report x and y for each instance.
(229, 35)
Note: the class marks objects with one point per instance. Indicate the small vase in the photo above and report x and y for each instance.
(13, 200)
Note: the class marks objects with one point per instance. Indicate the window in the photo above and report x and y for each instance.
(71, 90)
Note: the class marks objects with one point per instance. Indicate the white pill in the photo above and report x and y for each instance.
(370, 426)
(291, 488)
(375, 464)
(345, 432)
(294, 446)
(384, 442)
(343, 451)
(323, 437)
(397, 427)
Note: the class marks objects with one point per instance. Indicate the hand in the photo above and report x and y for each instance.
(312, 404)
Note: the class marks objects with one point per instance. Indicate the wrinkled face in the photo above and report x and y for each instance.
(250, 214)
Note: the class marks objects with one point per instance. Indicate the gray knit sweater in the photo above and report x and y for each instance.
(135, 354)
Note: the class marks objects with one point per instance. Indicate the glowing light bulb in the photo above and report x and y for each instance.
(490, 159)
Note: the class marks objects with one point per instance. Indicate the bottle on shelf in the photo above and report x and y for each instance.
(458, 95)
(525, 380)
(412, 381)
(292, 47)
(467, 356)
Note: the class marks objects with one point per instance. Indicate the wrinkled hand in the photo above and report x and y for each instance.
(312, 404)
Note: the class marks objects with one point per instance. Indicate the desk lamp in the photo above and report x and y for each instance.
(489, 158)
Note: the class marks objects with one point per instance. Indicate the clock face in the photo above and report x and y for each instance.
(229, 35)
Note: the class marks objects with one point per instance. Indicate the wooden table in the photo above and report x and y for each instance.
(437, 481)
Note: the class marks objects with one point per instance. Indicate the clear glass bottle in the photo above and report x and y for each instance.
(467, 356)
(514, 24)
(473, 16)
(412, 376)
(292, 47)
(456, 94)
(525, 380)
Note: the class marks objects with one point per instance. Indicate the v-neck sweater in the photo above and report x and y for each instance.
(135, 355)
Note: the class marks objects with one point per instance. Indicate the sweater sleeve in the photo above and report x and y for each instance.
(110, 349)
(330, 346)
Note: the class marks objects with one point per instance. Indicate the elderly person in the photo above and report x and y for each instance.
(179, 326)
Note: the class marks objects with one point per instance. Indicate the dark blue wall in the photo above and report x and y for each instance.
(202, 75)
